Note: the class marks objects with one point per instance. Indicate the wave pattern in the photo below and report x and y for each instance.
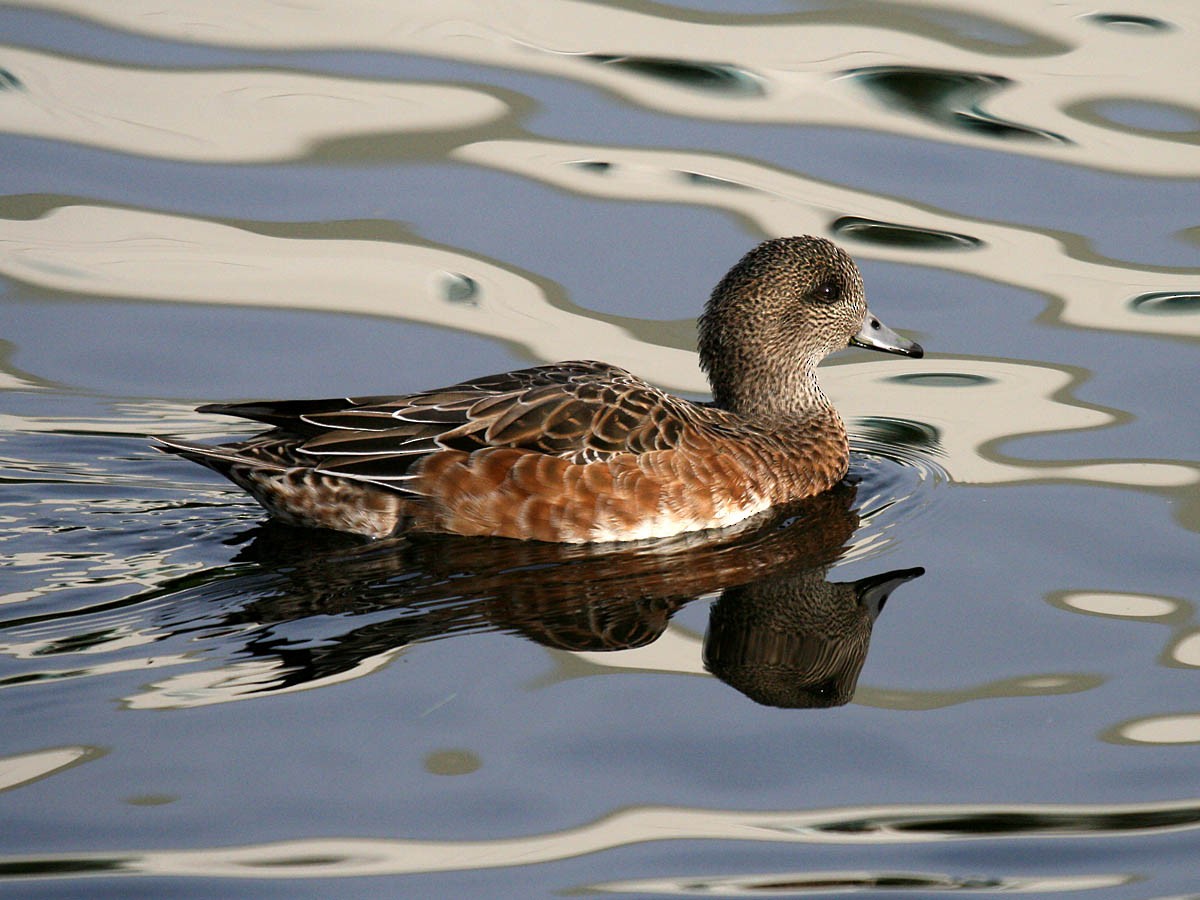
(881, 825)
(546, 179)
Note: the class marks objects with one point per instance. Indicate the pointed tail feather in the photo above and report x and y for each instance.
(220, 459)
(286, 413)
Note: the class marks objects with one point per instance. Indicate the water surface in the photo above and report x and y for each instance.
(249, 200)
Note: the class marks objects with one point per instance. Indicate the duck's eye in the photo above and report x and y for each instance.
(829, 291)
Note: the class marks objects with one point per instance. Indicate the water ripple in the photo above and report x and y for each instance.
(899, 478)
(711, 78)
(893, 234)
(947, 98)
(1088, 290)
(348, 856)
(803, 884)
(935, 74)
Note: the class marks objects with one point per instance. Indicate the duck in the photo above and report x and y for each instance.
(584, 452)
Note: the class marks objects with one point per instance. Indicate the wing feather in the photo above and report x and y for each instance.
(577, 411)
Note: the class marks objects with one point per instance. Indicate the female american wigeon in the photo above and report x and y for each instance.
(584, 451)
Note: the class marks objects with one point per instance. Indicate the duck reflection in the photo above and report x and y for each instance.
(780, 633)
(797, 640)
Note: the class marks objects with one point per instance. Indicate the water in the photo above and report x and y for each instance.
(203, 204)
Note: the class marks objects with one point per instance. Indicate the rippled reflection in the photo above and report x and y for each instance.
(111, 251)
(895, 235)
(1130, 21)
(23, 768)
(119, 598)
(342, 857)
(708, 77)
(92, 250)
(221, 115)
(1181, 650)
(796, 640)
(939, 68)
(803, 884)
(1094, 292)
(780, 632)
(1181, 728)
(952, 99)
(1167, 303)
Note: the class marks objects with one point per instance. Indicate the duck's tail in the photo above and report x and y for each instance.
(292, 490)
(221, 459)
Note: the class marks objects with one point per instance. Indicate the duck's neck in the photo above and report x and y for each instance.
(780, 401)
(797, 418)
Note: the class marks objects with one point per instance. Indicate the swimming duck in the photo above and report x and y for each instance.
(584, 451)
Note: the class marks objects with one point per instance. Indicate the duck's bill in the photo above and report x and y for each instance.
(874, 590)
(874, 335)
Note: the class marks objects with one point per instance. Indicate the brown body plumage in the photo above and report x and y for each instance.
(584, 451)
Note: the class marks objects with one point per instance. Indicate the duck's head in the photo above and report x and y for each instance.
(784, 307)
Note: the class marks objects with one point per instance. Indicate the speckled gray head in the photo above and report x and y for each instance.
(784, 307)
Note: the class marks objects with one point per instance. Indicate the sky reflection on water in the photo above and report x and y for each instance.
(203, 204)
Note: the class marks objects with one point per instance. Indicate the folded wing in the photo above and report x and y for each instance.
(577, 411)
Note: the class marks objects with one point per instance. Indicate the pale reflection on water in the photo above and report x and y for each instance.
(96, 250)
(222, 116)
(809, 67)
(297, 198)
(862, 826)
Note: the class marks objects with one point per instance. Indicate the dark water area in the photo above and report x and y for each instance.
(972, 668)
